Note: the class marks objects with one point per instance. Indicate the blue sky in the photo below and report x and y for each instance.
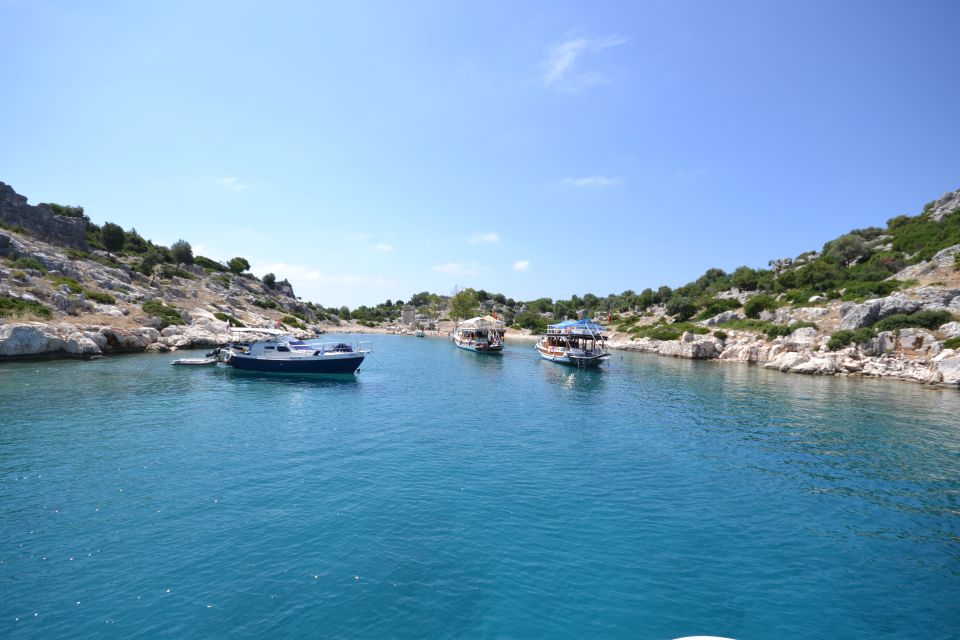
(372, 150)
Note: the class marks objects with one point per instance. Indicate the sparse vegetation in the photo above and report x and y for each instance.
(167, 313)
(229, 319)
(101, 296)
(210, 265)
(29, 263)
(844, 337)
(17, 307)
(293, 321)
(952, 343)
(72, 284)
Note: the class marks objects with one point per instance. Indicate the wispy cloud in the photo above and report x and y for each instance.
(232, 183)
(383, 246)
(561, 70)
(484, 238)
(590, 182)
(459, 268)
(521, 265)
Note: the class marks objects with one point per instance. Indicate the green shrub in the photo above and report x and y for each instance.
(70, 282)
(840, 339)
(16, 274)
(207, 263)
(531, 321)
(718, 305)
(102, 297)
(229, 319)
(681, 308)
(10, 306)
(169, 271)
(952, 343)
(721, 335)
(778, 330)
(292, 321)
(758, 303)
(956, 261)
(869, 289)
(29, 262)
(921, 319)
(266, 303)
(664, 331)
(922, 236)
(168, 313)
(77, 254)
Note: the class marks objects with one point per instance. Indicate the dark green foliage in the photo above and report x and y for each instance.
(134, 243)
(956, 261)
(10, 306)
(113, 237)
(681, 308)
(266, 303)
(778, 330)
(168, 313)
(718, 305)
(868, 289)
(207, 263)
(66, 210)
(169, 271)
(758, 303)
(922, 236)
(292, 321)
(29, 262)
(845, 249)
(182, 252)
(663, 331)
(101, 297)
(920, 319)
(229, 319)
(70, 282)
(770, 329)
(343, 313)
(952, 343)
(840, 339)
(149, 262)
(720, 335)
(269, 280)
(745, 279)
(800, 296)
(238, 265)
(532, 321)
(819, 274)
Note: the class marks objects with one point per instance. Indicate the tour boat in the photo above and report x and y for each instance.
(484, 335)
(577, 342)
(283, 353)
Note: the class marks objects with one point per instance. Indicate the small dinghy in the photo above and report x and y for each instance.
(196, 362)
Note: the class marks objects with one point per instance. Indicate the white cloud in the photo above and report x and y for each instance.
(484, 238)
(521, 265)
(459, 268)
(383, 246)
(232, 183)
(561, 70)
(590, 182)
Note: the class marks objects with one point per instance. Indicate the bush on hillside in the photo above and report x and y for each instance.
(101, 297)
(758, 303)
(167, 313)
(844, 337)
(920, 319)
(12, 307)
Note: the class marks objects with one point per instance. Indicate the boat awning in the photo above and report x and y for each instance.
(586, 326)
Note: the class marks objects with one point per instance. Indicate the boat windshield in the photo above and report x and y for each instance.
(299, 345)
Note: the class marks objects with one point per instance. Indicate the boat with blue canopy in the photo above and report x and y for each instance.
(576, 342)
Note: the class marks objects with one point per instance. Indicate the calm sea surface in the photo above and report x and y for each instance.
(446, 494)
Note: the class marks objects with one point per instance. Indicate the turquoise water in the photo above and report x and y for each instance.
(447, 494)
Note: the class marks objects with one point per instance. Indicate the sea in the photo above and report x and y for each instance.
(449, 494)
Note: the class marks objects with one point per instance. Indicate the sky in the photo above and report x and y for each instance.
(371, 150)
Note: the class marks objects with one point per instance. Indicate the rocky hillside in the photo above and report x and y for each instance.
(60, 296)
(874, 302)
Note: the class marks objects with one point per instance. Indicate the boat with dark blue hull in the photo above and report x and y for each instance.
(283, 353)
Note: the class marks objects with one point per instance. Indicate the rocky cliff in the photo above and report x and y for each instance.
(40, 220)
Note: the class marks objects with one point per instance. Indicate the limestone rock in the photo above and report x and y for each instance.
(29, 339)
(945, 205)
(950, 330)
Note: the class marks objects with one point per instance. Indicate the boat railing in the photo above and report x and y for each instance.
(342, 346)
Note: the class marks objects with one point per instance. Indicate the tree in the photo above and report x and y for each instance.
(344, 313)
(681, 308)
(758, 303)
(182, 252)
(238, 265)
(745, 279)
(846, 248)
(270, 280)
(112, 236)
(149, 262)
(463, 305)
